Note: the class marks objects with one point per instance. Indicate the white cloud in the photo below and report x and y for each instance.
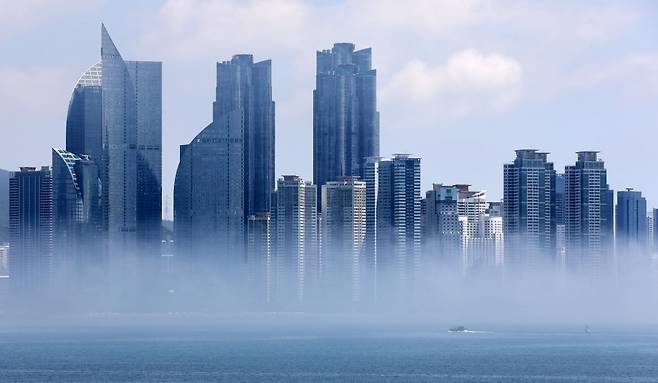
(17, 15)
(467, 82)
(193, 27)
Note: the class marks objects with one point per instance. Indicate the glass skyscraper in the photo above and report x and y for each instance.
(77, 215)
(115, 120)
(631, 221)
(345, 116)
(226, 173)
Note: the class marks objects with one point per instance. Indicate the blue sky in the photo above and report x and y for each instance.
(461, 83)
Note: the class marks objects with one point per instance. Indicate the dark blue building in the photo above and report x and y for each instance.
(30, 232)
(226, 173)
(345, 116)
(631, 220)
(115, 120)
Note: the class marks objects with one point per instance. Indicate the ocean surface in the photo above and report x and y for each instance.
(327, 353)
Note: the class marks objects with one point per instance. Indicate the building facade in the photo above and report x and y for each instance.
(260, 257)
(655, 229)
(296, 236)
(31, 231)
(588, 215)
(398, 219)
(345, 116)
(77, 215)
(463, 231)
(115, 120)
(4, 201)
(529, 210)
(343, 238)
(226, 173)
(630, 222)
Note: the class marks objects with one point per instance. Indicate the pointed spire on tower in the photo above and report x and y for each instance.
(108, 49)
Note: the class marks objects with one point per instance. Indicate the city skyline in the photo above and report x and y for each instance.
(328, 190)
(606, 102)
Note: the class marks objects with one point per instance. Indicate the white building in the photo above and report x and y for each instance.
(343, 237)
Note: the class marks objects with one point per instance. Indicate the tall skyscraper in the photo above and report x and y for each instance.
(115, 118)
(345, 116)
(226, 173)
(296, 236)
(588, 214)
(343, 237)
(528, 210)
(560, 234)
(30, 231)
(398, 217)
(630, 222)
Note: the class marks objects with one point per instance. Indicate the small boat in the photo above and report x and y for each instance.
(458, 329)
(587, 330)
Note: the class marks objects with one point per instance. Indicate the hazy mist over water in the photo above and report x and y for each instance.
(193, 326)
(436, 293)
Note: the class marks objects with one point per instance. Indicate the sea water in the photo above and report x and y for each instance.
(327, 353)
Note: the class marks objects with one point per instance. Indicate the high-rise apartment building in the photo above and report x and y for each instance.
(442, 230)
(560, 228)
(481, 243)
(630, 222)
(226, 173)
(296, 236)
(655, 229)
(345, 116)
(30, 231)
(462, 230)
(588, 214)
(529, 209)
(343, 237)
(260, 256)
(398, 217)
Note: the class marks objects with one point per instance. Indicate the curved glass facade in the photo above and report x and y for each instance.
(115, 120)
